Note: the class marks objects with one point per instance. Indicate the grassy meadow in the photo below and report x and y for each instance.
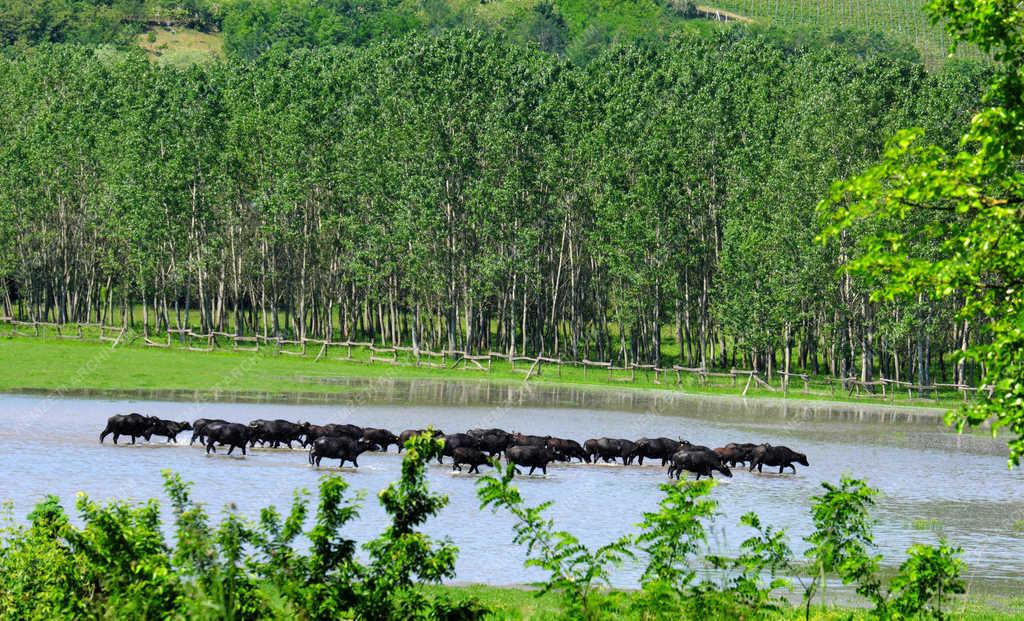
(48, 363)
(181, 46)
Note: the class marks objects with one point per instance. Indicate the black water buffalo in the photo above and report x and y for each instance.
(231, 435)
(337, 447)
(655, 448)
(781, 456)
(170, 429)
(199, 429)
(381, 437)
(409, 434)
(519, 439)
(313, 432)
(607, 449)
(332, 430)
(277, 432)
(626, 448)
(493, 443)
(734, 453)
(134, 425)
(530, 455)
(474, 458)
(453, 441)
(478, 433)
(567, 450)
(699, 460)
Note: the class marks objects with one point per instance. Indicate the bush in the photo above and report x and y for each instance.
(119, 564)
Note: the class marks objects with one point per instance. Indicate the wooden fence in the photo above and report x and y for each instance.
(532, 366)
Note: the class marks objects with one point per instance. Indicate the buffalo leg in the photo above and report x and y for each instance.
(781, 468)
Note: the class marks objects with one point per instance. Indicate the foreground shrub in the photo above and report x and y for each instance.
(682, 579)
(119, 565)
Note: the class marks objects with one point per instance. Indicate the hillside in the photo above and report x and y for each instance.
(181, 46)
(185, 31)
(902, 20)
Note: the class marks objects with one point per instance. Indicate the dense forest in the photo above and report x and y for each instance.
(460, 191)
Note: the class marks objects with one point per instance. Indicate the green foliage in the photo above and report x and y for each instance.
(948, 224)
(95, 22)
(574, 570)
(925, 583)
(119, 565)
(673, 541)
(673, 536)
(759, 575)
(253, 27)
(842, 541)
(402, 556)
(546, 28)
(40, 575)
(841, 545)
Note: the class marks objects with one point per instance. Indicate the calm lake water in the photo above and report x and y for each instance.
(933, 481)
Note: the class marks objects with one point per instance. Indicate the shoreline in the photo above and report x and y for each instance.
(71, 369)
(355, 394)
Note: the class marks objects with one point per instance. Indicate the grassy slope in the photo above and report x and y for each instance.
(44, 364)
(181, 46)
(903, 20)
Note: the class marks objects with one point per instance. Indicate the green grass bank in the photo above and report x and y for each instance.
(50, 364)
(522, 603)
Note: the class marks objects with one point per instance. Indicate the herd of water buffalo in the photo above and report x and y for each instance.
(475, 448)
